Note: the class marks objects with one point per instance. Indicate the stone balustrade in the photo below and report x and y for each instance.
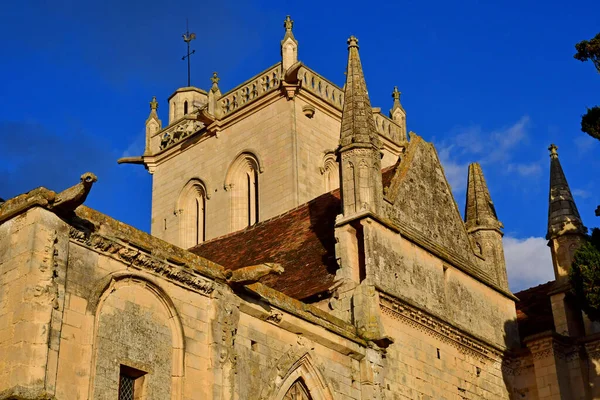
(321, 87)
(250, 90)
(180, 130)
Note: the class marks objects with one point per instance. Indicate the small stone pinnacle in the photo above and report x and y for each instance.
(352, 41)
(153, 104)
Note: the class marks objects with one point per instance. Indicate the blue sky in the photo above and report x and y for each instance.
(493, 82)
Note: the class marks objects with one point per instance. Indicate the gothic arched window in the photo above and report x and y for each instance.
(185, 107)
(242, 182)
(297, 391)
(192, 214)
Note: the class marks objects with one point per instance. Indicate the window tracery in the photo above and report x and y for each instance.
(297, 391)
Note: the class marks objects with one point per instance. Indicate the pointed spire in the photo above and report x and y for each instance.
(360, 147)
(214, 94)
(358, 124)
(480, 212)
(563, 216)
(396, 96)
(289, 45)
(288, 24)
(153, 124)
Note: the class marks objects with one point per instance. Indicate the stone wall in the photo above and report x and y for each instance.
(426, 365)
(81, 303)
(406, 270)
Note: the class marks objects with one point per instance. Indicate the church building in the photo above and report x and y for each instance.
(303, 246)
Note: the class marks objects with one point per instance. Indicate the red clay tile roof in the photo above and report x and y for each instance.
(301, 240)
(534, 310)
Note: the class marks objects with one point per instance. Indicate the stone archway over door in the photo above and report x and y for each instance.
(297, 391)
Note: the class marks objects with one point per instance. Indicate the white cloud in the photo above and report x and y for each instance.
(584, 194)
(530, 169)
(492, 148)
(528, 262)
(456, 173)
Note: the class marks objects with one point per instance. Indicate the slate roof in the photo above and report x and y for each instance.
(302, 240)
(534, 310)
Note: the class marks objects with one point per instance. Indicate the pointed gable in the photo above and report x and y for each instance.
(421, 201)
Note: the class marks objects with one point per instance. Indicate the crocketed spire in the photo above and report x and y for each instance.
(479, 210)
(358, 124)
(563, 216)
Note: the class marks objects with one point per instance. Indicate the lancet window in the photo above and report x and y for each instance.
(243, 183)
(192, 213)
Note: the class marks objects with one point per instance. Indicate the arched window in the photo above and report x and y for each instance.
(243, 184)
(192, 214)
(297, 391)
(331, 173)
(185, 107)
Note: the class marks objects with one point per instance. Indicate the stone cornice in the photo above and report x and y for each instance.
(434, 326)
(142, 260)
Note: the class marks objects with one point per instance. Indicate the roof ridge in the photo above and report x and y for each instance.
(534, 287)
(260, 223)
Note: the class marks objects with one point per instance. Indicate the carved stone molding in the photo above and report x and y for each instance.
(443, 331)
(550, 346)
(181, 130)
(142, 260)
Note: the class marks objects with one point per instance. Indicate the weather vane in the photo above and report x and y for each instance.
(188, 37)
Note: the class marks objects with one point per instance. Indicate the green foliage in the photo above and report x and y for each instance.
(589, 50)
(590, 122)
(585, 276)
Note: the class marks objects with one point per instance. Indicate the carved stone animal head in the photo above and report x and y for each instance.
(88, 178)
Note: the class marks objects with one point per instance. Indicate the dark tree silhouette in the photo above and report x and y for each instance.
(589, 50)
(585, 276)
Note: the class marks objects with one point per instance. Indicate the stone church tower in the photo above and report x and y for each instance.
(276, 135)
(320, 256)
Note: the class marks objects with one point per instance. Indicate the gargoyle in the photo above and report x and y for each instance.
(251, 274)
(71, 198)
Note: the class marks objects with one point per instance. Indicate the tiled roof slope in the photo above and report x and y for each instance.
(534, 310)
(301, 240)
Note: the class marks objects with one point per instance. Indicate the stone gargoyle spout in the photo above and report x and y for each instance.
(71, 198)
(251, 274)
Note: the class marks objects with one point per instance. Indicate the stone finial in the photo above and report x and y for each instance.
(563, 217)
(480, 212)
(553, 152)
(352, 42)
(396, 95)
(153, 104)
(215, 82)
(288, 23)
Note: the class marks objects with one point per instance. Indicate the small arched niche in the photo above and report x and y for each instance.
(331, 173)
